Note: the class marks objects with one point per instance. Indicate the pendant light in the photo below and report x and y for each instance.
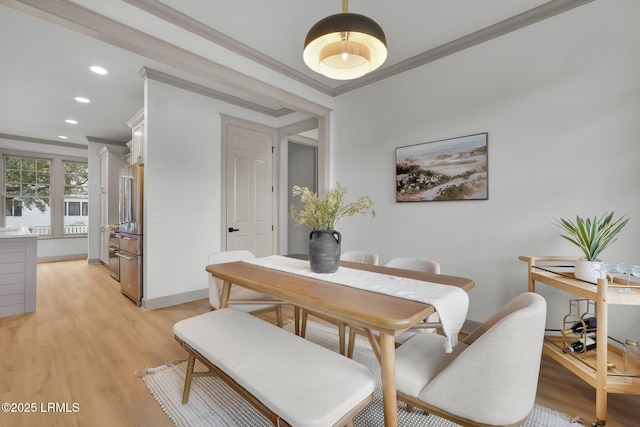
(345, 46)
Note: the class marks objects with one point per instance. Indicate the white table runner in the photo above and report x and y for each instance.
(450, 302)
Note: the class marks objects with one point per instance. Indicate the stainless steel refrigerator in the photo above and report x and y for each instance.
(130, 231)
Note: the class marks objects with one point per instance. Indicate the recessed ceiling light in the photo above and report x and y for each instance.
(71, 121)
(82, 99)
(98, 70)
(63, 137)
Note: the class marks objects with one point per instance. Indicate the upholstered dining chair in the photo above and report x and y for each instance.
(427, 325)
(361, 257)
(425, 265)
(490, 379)
(353, 256)
(415, 264)
(241, 298)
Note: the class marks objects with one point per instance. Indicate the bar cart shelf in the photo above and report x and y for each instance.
(591, 367)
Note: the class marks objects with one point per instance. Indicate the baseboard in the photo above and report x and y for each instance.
(175, 299)
(71, 257)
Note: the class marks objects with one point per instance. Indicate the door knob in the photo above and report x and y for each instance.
(231, 229)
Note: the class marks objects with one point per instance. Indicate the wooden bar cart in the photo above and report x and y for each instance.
(555, 272)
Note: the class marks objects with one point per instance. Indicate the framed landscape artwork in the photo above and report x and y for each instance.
(450, 169)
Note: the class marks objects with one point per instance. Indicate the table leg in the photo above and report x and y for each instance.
(224, 297)
(388, 373)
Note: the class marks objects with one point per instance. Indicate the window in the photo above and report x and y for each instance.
(27, 184)
(14, 207)
(76, 208)
(48, 195)
(73, 208)
(76, 179)
(76, 196)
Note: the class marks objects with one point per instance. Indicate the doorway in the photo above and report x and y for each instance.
(249, 188)
(302, 171)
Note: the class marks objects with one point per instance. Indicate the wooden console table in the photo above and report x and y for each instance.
(591, 370)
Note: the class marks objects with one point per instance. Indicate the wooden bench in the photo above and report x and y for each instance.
(292, 381)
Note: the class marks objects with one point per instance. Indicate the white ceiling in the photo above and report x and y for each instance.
(45, 58)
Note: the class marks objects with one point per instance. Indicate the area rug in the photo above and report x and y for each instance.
(213, 403)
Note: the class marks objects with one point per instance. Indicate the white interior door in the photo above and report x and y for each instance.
(249, 190)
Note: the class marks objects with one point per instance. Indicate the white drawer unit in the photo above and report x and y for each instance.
(17, 274)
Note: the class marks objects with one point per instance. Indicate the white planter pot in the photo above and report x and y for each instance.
(585, 271)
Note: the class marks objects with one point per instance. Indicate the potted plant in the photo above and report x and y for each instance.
(592, 236)
(321, 214)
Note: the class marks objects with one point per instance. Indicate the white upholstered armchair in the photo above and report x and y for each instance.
(428, 266)
(406, 263)
(427, 325)
(490, 379)
(361, 257)
(240, 298)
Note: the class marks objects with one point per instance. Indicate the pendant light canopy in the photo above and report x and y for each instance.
(345, 46)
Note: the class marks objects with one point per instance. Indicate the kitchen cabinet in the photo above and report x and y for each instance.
(111, 161)
(137, 146)
(18, 258)
(593, 369)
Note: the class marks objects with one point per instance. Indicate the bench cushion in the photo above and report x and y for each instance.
(305, 384)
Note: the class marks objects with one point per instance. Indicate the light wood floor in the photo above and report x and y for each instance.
(85, 341)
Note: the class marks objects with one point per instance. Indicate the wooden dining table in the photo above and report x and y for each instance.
(371, 311)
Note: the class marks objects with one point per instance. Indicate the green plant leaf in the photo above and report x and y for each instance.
(592, 236)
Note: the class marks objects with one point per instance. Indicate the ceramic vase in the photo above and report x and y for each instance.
(324, 251)
(585, 271)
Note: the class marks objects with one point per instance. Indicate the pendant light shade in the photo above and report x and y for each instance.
(345, 46)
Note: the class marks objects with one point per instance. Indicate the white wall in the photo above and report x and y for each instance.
(182, 188)
(560, 101)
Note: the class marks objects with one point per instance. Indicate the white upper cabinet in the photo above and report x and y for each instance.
(137, 147)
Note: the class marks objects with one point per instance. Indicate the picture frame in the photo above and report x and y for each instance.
(443, 170)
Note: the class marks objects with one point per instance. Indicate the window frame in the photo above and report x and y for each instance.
(81, 200)
(56, 191)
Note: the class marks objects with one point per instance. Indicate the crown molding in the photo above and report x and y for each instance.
(532, 16)
(80, 19)
(491, 32)
(299, 127)
(303, 140)
(42, 141)
(186, 22)
(106, 141)
(169, 79)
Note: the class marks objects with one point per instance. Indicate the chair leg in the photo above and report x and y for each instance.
(341, 336)
(279, 316)
(187, 380)
(303, 323)
(352, 342)
(296, 318)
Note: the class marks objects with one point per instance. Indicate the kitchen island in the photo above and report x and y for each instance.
(18, 260)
